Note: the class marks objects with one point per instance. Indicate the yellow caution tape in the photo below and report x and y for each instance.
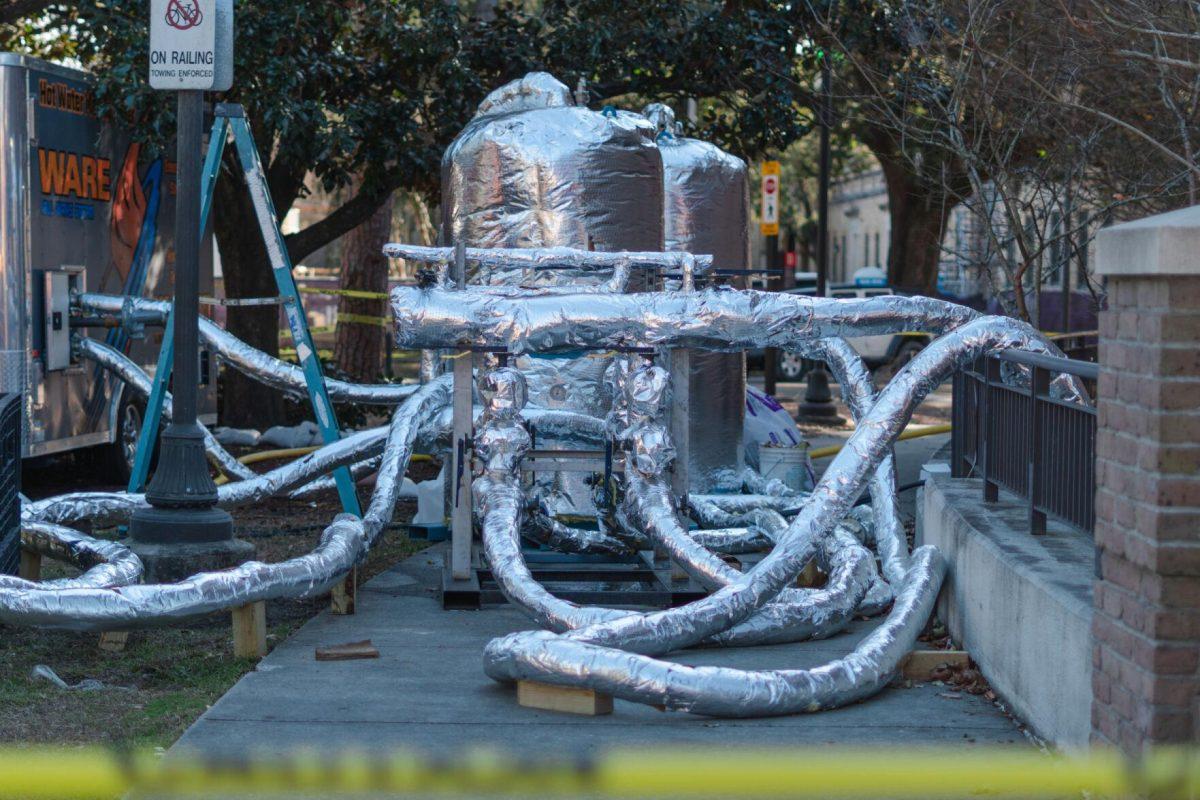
(363, 319)
(285, 333)
(358, 294)
(291, 351)
(727, 772)
(295, 452)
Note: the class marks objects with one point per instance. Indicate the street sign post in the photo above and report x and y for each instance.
(191, 51)
(769, 227)
(770, 199)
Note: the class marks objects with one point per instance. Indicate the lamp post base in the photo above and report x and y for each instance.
(818, 407)
(175, 543)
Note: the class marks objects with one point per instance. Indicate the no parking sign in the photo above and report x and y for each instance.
(770, 199)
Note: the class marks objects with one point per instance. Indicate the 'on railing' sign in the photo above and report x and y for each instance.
(191, 44)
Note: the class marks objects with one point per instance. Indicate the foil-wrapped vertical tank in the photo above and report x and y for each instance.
(707, 211)
(532, 169)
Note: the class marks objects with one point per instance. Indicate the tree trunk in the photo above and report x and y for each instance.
(359, 349)
(919, 206)
(918, 223)
(246, 403)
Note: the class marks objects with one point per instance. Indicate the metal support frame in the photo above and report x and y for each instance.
(227, 117)
(641, 579)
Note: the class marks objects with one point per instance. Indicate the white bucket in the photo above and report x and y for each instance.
(786, 464)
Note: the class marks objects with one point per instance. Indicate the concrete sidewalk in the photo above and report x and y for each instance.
(428, 691)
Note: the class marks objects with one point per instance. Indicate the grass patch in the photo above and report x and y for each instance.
(166, 677)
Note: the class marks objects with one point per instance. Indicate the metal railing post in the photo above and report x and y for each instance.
(1039, 382)
(991, 490)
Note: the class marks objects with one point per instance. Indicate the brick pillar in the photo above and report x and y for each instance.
(1146, 625)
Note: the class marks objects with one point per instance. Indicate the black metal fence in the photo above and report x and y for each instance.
(1016, 436)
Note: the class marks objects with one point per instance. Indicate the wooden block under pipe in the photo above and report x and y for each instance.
(810, 576)
(566, 699)
(919, 663)
(250, 630)
(344, 596)
(31, 565)
(113, 641)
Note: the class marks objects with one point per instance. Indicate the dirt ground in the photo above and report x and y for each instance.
(165, 677)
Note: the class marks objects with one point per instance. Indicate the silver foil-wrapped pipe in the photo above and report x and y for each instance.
(103, 509)
(141, 605)
(586, 657)
(104, 563)
(341, 546)
(732, 541)
(111, 508)
(715, 319)
(546, 530)
(137, 379)
(711, 319)
(858, 391)
(737, 510)
(721, 691)
(281, 375)
(550, 258)
(408, 421)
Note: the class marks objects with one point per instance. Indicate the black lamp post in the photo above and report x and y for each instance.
(183, 531)
(818, 404)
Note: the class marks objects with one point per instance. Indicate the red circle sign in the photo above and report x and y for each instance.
(184, 15)
(769, 184)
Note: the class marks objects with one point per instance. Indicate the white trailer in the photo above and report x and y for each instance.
(82, 208)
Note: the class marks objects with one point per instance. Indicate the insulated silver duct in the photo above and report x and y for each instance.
(537, 259)
(137, 379)
(281, 375)
(89, 605)
(606, 656)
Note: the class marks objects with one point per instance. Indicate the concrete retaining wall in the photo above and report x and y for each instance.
(1020, 604)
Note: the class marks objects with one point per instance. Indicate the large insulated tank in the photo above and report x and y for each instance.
(532, 169)
(707, 212)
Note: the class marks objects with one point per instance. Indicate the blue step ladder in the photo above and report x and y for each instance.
(226, 117)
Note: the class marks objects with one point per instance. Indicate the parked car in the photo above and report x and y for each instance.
(891, 351)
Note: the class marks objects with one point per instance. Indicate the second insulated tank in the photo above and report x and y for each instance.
(707, 212)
